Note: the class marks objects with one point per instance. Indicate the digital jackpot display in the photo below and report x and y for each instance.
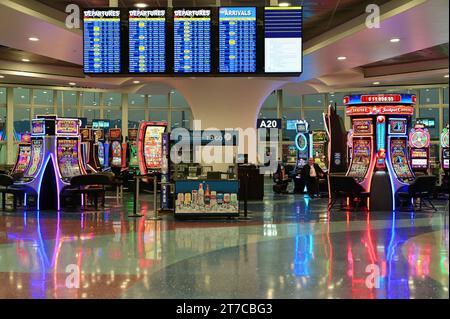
(147, 41)
(102, 50)
(237, 39)
(283, 39)
(192, 41)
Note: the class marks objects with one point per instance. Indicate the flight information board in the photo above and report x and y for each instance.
(283, 39)
(192, 40)
(147, 41)
(237, 39)
(102, 41)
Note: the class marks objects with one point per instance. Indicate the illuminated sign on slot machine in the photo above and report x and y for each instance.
(67, 126)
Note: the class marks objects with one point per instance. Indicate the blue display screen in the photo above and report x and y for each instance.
(237, 39)
(147, 40)
(102, 41)
(283, 39)
(192, 40)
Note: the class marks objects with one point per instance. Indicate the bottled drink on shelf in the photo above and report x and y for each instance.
(207, 196)
(201, 194)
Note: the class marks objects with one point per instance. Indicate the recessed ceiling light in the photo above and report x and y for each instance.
(376, 83)
(141, 5)
(2, 76)
(446, 76)
(34, 39)
(25, 60)
(394, 40)
(136, 82)
(284, 4)
(342, 58)
(72, 83)
(45, 92)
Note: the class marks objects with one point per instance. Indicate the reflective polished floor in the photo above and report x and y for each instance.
(289, 248)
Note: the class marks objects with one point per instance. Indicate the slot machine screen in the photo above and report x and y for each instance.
(37, 153)
(116, 159)
(446, 158)
(400, 160)
(362, 152)
(68, 158)
(397, 126)
(23, 158)
(153, 146)
(363, 126)
(101, 153)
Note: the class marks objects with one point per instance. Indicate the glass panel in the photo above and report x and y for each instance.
(43, 111)
(181, 119)
(68, 98)
(314, 100)
(90, 98)
(431, 112)
(134, 117)
(429, 96)
(292, 101)
(115, 116)
(2, 95)
(315, 119)
(21, 96)
(178, 100)
(43, 97)
(158, 116)
(90, 114)
(136, 99)
(21, 120)
(270, 102)
(70, 111)
(158, 101)
(445, 95)
(446, 119)
(112, 100)
(341, 112)
(268, 114)
(337, 98)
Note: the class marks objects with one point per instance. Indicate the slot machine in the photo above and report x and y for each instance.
(303, 143)
(132, 147)
(150, 146)
(419, 149)
(23, 154)
(154, 155)
(320, 149)
(349, 145)
(445, 156)
(117, 150)
(68, 149)
(380, 158)
(102, 149)
(55, 159)
(88, 150)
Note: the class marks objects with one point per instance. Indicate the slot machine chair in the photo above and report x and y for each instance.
(422, 188)
(345, 187)
(281, 181)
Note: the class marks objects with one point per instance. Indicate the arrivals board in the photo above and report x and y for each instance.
(192, 40)
(283, 39)
(102, 41)
(237, 39)
(147, 41)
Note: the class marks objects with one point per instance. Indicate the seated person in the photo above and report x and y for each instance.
(311, 173)
(281, 179)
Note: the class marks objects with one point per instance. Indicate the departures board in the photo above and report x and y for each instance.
(223, 41)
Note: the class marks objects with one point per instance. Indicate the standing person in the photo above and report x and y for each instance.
(311, 173)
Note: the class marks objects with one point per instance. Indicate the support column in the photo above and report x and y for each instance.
(10, 154)
(125, 115)
(101, 104)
